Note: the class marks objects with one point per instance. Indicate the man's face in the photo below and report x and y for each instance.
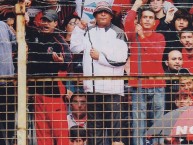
(187, 40)
(103, 19)
(181, 23)
(186, 84)
(156, 5)
(77, 141)
(147, 20)
(175, 60)
(48, 26)
(78, 106)
(183, 100)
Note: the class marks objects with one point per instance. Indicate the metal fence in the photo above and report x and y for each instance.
(41, 110)
(48, 116)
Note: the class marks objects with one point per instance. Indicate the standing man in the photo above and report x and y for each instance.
(48, 54)
(174, 65)
(186, 38)
(145, 60)
(7, 96)
(104, 55)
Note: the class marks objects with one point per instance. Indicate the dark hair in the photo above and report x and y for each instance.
(79, 91)
(67, 19)
(77, 132)
(145, 8)
(183, 14)
(74, 95)
(185, 30)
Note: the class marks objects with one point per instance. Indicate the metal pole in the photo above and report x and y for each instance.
(92, 59)
(20, 32)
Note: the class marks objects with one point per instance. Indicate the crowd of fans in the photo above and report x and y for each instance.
(74, 38)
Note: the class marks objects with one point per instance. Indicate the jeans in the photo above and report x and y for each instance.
(147, 105)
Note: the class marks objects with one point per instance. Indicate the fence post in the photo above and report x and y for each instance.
(20, 32)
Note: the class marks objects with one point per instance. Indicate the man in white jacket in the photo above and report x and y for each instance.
(105, 54)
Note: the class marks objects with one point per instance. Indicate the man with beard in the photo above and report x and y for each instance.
(174, 65)
(186, 38)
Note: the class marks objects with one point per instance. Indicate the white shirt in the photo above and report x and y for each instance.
(109, 48)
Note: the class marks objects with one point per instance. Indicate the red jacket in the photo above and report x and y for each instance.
(152, 48)
(188, 60)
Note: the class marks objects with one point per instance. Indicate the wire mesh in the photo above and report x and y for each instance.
(59, 110)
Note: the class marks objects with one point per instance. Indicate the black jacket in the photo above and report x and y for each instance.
(40, 61)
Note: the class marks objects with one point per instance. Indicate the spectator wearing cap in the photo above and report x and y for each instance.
(183, 98)
(104, 54)
(48, 54)
(77, 116)
(85, 9)
(62, 8)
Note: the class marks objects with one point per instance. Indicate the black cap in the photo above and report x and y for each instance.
(50, 15)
